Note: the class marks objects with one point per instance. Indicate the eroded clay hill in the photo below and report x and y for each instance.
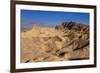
(68, 41)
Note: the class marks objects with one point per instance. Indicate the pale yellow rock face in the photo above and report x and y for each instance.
(41, 44)
(41, 32)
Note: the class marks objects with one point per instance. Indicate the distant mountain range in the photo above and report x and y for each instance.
(26, 27)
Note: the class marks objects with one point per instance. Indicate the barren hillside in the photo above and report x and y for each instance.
(68, 41)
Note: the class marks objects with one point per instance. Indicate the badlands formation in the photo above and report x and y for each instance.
(68, 41)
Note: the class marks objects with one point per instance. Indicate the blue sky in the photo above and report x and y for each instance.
(52, 17)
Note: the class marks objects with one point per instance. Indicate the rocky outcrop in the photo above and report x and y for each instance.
(73, 26)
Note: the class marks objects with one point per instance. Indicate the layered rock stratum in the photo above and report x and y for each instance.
(68, 41)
